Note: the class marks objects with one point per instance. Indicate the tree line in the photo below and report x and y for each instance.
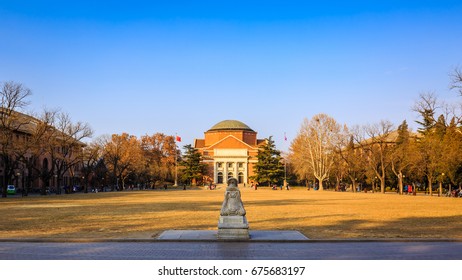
(26, 139)
(380, 155)
(50, 146)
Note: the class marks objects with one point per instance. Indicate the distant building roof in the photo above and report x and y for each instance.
(199, 143)
(261, 142)
(230, 125)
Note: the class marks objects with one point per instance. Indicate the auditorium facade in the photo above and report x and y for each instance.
(230, 149)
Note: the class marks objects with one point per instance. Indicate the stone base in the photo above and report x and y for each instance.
(233, 234)
(233, 227)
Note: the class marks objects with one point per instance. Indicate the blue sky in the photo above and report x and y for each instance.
(181, 66)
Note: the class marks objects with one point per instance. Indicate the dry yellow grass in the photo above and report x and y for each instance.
(318, 215)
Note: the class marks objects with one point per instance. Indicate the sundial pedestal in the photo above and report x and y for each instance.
(233, 227)
(233, 224)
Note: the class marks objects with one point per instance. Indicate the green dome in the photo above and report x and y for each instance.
(230, 125)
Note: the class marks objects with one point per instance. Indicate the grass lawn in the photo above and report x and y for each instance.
(318, 215)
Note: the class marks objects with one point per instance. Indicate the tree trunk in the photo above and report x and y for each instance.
(321, 188)
(382, 185)
(430, 191)
(4, 186)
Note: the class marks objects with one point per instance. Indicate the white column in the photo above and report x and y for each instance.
(225, 171)
(246, 175)
(215, 177)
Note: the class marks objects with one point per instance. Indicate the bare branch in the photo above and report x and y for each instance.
(456, 80)
(14, 96)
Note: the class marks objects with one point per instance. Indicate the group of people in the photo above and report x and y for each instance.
(408, 189)
(455, 193)
(275, 187)
(254, 186)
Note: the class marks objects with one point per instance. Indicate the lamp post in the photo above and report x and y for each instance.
(57, 188)
(285, 173)
(176, 167)
(17, 179)
(176, 161)
(375, 184)
(26, 182)
(440, 191)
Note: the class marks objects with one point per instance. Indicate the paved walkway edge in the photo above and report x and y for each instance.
(156, 240)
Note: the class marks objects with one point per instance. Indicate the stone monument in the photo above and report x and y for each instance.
(233, 223)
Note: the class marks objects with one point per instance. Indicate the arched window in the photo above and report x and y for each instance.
(230, 175)
(240, 178)
(220, 178)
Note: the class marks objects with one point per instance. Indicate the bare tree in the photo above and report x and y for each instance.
(91, 155)
(66, 144)
(404, 153)
(456, 80)
(351, 156)
(13, 99)
(376, 146)
(314, 147)
(33, 147)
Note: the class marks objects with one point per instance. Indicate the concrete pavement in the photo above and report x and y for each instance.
(213, 250)
(212, 235)
(204, 245)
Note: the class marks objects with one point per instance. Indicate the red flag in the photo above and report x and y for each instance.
(178, 138)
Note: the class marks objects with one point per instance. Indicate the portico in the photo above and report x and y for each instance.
(230, 163)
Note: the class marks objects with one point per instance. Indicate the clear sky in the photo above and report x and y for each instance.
(181, 66)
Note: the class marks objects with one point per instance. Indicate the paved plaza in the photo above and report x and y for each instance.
(204, 245)
(207, 250)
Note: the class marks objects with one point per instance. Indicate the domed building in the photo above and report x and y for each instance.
(229, 149)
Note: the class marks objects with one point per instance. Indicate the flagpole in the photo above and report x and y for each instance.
(176, 162)
(285, 164)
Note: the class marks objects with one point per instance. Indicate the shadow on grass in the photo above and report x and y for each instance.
(408, 228)
(114, 214)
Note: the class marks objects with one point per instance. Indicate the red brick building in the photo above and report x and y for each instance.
(22, 142)
(229, 149)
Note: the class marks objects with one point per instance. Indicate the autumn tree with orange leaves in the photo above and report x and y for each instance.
(122, 155)
(159, 152)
